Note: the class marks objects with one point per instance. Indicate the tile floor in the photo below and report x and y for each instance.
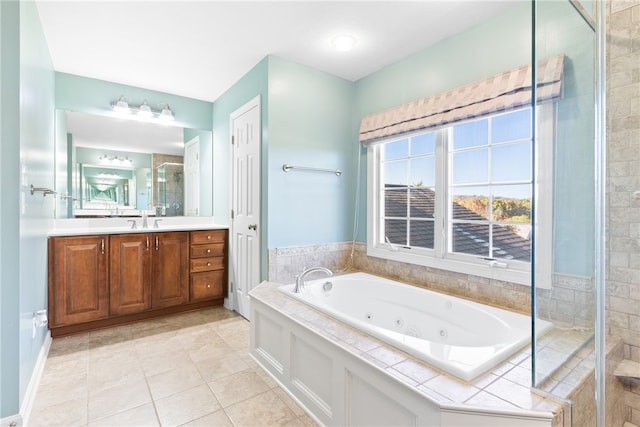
(190, 369)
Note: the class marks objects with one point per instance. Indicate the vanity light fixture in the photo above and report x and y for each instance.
(122, 106)
(166, 113)
(115, 159)
(344, 42)
(144, 110)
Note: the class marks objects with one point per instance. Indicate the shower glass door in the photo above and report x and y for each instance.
(564, 279)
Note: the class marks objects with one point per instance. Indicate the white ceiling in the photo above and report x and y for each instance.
(199, 49)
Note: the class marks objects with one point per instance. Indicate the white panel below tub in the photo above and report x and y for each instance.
(269, 340)
(312, 372)
(368, 406)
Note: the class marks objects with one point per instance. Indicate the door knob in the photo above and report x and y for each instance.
(253, 227)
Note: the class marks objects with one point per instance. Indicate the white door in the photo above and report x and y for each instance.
(192, 177)
(245, 203)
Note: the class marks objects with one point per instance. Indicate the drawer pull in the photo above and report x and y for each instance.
(208, 264)
(208, 251)
(209, 237)
(208, 286)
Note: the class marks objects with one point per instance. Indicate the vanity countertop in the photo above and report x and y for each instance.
(92, 226)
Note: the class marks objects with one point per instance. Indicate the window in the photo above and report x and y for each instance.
(459, 197)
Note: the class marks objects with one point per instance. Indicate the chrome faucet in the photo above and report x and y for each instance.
(300, 283)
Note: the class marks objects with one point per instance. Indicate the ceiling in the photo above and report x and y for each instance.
(199, 49)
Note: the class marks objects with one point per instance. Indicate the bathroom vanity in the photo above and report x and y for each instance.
(107, 278)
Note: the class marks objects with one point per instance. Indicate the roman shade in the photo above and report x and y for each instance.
(501, 92)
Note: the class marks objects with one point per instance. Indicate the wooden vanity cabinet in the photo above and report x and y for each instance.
(105, 280)
(170, 266)
(130, 268)
(208, 272)
(78, 287)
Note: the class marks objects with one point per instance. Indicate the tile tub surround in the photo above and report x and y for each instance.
(191, 369)
(567, 304)
(505, 388)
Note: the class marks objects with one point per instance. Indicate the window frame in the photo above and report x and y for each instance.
(438, 257)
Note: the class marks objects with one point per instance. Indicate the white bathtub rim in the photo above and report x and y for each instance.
(466, 372)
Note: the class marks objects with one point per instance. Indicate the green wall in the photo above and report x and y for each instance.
(310, 125)
(93, 96)
(26, 149)
(252, 84)
(9, 214)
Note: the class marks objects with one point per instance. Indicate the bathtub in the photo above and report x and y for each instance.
(460, 337)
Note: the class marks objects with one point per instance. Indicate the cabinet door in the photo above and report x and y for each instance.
(130, 268)
(78, 282)
(170, 264)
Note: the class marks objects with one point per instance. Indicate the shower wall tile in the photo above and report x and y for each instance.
(623, 209)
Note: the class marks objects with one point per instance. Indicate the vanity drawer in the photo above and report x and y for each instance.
(207, 285)
(209, 250)
(208, 236)
(206, 264)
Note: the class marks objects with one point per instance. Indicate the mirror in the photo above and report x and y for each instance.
(118, 167)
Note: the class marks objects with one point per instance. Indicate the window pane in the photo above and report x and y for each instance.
(396, 149)
(421, 234)
(395, 173)
(472, 134)
(470, 203)
(422, 202)
(512, 242)
(511, 162)
(423, 172)
(470, 167)
(511, 203)
(423, 144)
(471, 239)
(511, 126)
(396, 231)
(395, 202)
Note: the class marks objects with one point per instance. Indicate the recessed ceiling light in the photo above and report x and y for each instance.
(344, 42)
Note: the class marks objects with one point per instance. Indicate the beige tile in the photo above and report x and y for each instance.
(265, 377)
(174, 381)
(237, 387)
(70, 413)
(62, 389)
(263, 410)
(451, 388)
(291, 404)
(218, 419)
(516, 394)
(165, 342)
(142, 416)
(221, 366)
(196, 338)
(156, 364)
(484, 399)
(115, 354)
(186, 406)
(419, 372)
(209, 350)
(125, 395)
(105, 374)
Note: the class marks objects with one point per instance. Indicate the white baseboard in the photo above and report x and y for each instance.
(12, 421)
(32, 388)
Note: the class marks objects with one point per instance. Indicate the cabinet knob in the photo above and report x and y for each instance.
(209, 237)
(208, 286)
(208, 251)
(208, 264)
